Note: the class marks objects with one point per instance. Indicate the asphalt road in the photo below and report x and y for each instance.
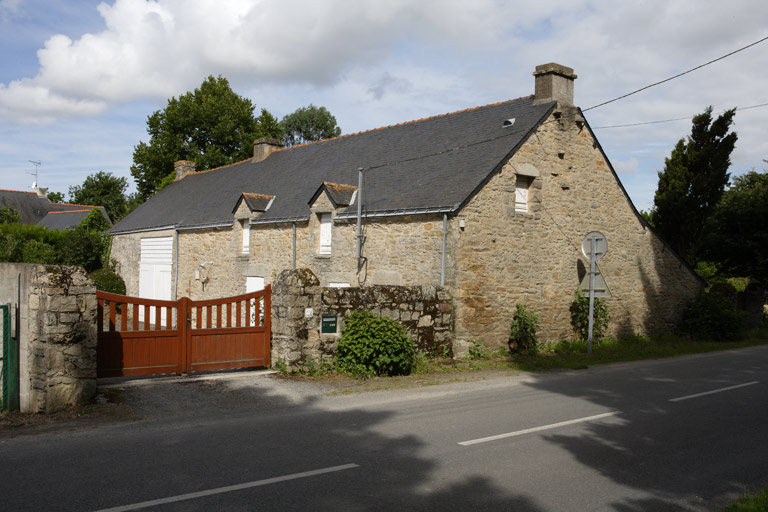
(687, 433)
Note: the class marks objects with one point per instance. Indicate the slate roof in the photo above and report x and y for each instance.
(39, 210)
(432, 164)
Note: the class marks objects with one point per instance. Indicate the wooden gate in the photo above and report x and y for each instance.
(147, 337)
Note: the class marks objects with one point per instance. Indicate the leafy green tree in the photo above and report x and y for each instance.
(212, 126)
(308, 124)
(55, 197)
(102, 189)
(738, 233)
(9, 215)
(693, 181)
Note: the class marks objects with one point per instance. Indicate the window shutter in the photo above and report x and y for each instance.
(521, 194)
(325, 233)
(246, 236)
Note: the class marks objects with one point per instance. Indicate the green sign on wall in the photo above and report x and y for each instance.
(328, 325)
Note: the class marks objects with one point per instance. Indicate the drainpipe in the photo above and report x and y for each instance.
(442, 257)
(176, 273)
(358, 234)
(293, 261)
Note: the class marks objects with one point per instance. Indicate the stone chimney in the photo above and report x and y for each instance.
(265, 146)
(554, 83)
(41, 192)
(183, 167)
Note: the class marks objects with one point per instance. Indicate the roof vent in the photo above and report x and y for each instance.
(509, 122)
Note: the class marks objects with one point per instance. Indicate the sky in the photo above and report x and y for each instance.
(78, 78)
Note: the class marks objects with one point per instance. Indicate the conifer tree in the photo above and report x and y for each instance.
(692, 183)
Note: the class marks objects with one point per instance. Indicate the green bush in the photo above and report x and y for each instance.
(35, 251)
(522, 335)
(374, 346)
(108, 281)
(81, 248)
(580, 317)
(712, 317)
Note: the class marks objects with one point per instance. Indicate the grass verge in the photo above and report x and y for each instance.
(573, 355)
(757, 502)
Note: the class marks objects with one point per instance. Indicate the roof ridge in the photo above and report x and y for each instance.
(69, 211)
(75, 204)
(373, 130)
(21, 191)
(406, 123)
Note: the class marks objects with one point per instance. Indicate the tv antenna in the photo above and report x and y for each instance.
(37, 165)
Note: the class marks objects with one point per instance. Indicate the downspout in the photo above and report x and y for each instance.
(358, 234)
(442, 257)
(293, 261)
(176, 273)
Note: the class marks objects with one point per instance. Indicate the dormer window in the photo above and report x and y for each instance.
(325, 233)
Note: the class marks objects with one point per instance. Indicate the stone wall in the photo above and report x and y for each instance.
(299, 303)
(504, 257)
(57, 338)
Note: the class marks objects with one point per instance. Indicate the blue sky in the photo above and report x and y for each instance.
(79, 78)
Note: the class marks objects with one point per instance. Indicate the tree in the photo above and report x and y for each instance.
(102, 189)
(738, 232)
(693, 181)
(212, 126)
(9, 215)
(308, 124)
(55, 197)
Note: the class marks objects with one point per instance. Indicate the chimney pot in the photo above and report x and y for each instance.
(265, 146)
(554, 82)
(183, 167)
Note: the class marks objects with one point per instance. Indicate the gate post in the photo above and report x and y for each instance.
(183, 318)
(268, 325)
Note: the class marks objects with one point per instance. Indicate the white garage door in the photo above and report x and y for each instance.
(155, 270)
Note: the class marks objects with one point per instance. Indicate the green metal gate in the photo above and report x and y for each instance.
(10, 360)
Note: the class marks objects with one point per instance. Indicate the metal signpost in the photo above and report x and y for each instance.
(594, 247)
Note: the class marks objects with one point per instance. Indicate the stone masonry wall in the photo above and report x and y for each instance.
(57, 336)
(426, 312)
(503, 257)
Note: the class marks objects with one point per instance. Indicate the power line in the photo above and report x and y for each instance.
(671, 120)
(678, 75)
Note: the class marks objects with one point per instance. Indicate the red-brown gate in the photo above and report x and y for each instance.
(147, 337)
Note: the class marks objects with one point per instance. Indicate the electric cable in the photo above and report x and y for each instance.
(671, 120)
(677, 75)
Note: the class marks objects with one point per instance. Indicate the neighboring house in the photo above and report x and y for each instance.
(492, 202)
(35, 208)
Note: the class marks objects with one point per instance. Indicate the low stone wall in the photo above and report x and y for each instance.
(57, 333)
(299, 305)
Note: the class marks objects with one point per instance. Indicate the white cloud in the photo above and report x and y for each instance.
(625, 167)
(9, 9)
(374, 63)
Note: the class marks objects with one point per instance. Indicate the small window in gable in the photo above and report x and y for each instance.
(246, 236)
(325, 233)
(522, 185)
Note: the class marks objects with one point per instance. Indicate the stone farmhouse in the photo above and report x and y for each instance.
(490, 202)
(35, 208)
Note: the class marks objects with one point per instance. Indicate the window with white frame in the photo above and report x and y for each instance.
(325, 233)
(522, 184)
(246, 236)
